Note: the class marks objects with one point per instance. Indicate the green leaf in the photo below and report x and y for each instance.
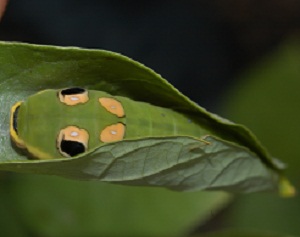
(229, 158)
(179, 163)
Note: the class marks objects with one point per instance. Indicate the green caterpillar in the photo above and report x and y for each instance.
(65, 123)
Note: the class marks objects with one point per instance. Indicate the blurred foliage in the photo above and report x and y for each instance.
(267, 101)
(35, 205)
(232, 233)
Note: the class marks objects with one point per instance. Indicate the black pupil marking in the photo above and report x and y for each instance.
(15, 118)
(72, 91)
(72, 148)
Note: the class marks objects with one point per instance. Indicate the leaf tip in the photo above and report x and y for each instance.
(286, 189)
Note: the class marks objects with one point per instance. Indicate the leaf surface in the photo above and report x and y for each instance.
(229, 158)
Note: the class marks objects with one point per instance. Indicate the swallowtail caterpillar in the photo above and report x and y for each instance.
(67, 122)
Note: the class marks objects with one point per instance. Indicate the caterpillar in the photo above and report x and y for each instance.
(67, 122)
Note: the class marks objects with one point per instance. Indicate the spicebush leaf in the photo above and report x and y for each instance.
(229, 158)
(181, 163)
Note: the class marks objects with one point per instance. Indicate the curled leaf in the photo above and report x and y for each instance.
(228, 157)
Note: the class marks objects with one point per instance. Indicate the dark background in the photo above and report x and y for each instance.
(199, 46)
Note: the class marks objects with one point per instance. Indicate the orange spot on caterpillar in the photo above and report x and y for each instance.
(113, 133)
(113, 106)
